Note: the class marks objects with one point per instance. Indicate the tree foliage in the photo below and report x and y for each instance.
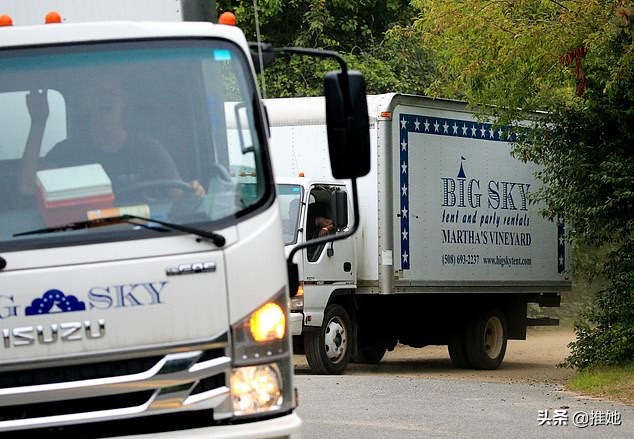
(374, 37)
(507, 53)
(574, 60)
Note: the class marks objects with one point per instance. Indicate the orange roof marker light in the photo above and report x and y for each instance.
(227, 18)
(53, 17)
(5, 20)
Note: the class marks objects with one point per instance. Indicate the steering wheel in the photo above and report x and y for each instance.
(153, 190)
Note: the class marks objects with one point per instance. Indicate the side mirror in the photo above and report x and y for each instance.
(340, 202)
(348, 125)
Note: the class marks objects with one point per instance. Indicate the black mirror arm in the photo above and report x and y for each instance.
(266, 49)
(292, 267)
(317, 53)
(345, 87)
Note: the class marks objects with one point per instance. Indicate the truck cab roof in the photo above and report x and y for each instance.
(13, 36)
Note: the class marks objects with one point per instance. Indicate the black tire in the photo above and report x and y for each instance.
(328, 350)
(458, 351)
(298, 345)
(370, 347)
(485, 340)
(370, 354)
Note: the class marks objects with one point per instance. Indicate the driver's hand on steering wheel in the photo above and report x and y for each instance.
(198, 188)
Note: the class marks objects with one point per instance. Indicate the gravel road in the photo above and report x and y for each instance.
(533, 360)
(416, 393)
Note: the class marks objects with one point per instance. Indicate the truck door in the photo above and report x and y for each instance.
(327, 267)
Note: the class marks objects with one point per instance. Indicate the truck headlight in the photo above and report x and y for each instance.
(256, 389)
(262, 374)
(262, 335)
(297, 302)
(268, 323)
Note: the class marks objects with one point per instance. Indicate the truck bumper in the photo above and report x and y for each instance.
(296, 320)
(289, 426)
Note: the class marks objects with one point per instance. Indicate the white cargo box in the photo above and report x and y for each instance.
(446, 206)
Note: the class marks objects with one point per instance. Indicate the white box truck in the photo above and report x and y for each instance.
(143, 291)
(450, 249)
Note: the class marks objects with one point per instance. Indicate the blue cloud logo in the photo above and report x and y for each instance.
(54, 301)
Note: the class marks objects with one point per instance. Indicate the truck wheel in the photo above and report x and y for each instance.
(370, 347)
(328, 350)
(370, 354)
(458, 351)
(298, 345)
(485, 340)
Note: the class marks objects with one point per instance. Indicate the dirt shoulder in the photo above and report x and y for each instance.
(533, 360)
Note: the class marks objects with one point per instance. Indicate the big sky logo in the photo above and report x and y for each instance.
(54, 301)
(463, 191)
(103, 298)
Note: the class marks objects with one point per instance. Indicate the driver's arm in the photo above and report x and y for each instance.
(163, 167)
(37, 104)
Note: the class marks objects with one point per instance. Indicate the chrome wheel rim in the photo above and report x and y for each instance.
(335, 340)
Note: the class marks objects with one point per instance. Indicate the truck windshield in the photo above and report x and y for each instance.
(147, 128)
(290, 197)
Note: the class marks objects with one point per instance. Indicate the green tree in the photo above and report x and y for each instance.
(573, 60)
(373, 36)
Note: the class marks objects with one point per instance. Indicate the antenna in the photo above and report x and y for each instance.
(258, 39)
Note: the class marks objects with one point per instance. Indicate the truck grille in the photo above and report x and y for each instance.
(65, 374)
(181, 380)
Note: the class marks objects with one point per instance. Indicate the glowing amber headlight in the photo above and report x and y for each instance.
(297, 302)
(268, 323)
(262, 334)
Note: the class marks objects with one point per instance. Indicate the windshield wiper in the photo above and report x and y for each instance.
(216, 238)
